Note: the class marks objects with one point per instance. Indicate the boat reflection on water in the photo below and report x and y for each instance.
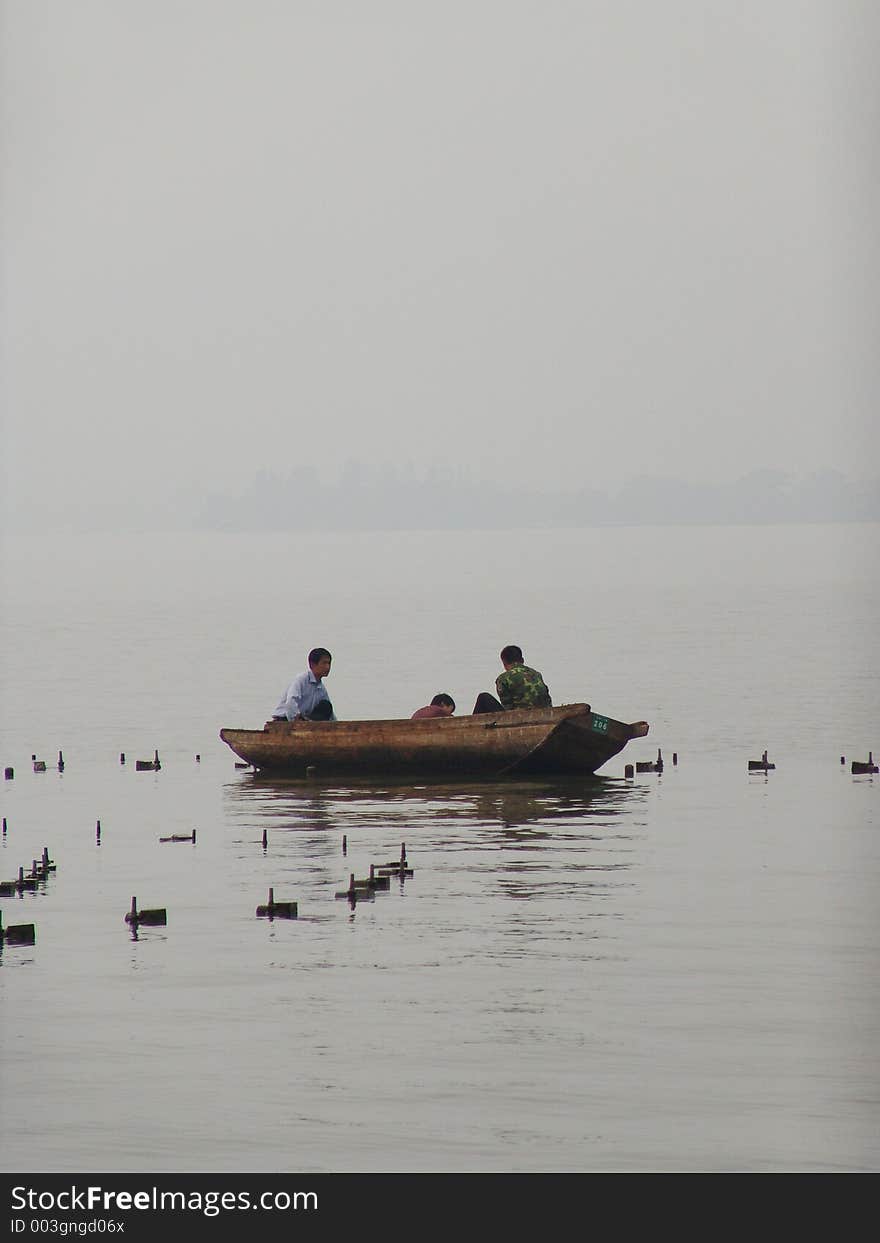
(534, 808)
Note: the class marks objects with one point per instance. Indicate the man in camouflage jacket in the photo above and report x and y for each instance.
(519, 686)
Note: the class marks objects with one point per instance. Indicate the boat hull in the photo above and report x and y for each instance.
(571, 739)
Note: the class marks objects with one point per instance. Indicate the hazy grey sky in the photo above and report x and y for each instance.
(549, 242)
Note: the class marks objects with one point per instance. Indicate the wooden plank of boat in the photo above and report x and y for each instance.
(568, 739)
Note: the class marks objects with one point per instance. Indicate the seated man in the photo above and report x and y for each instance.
(306, 698)
(518, 686)
(440, 705)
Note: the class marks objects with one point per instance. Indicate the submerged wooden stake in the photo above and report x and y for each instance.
(762, 765)
(156, 916)
(397, 863)
(371, 883)
(395, 869)
(17, 934)
(355, 891)
(278, 910)
(859, 767)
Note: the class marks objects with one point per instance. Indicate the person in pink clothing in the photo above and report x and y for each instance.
(440, 705)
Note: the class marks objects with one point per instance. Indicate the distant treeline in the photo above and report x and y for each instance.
(387, 499)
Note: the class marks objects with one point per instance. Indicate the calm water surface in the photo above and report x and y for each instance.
(674, 973)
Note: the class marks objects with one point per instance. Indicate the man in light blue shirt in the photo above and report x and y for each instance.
(306, 698)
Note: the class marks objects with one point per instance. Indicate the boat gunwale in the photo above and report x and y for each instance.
(525, 717)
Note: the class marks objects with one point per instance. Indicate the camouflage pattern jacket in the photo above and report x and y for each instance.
(522, 687)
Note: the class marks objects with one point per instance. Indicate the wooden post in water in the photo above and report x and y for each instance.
(17, 934)
(350, 892)
(761, 765)
(279, 910)
(136, 917)
(25, 882)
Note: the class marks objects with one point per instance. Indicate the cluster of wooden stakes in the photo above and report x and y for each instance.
(141, 766)
(24, 934)
(857, 767)
(358, 890)
(763, 765)
(378, 881)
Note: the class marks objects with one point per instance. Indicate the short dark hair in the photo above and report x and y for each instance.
(318, 653)
(511, 654)
(443, 700)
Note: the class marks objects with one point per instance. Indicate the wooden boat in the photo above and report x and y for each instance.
(570, 739)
